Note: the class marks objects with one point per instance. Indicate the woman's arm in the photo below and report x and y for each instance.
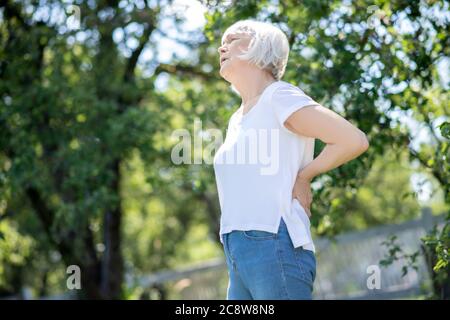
(344, 141)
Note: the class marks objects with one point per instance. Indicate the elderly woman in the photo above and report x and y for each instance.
(265, 207)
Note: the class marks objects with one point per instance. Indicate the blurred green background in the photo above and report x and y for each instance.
(91, 93)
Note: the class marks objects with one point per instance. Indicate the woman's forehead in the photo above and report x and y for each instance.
(232, 33)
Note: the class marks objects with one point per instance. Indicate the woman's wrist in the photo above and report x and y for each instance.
(303, 175)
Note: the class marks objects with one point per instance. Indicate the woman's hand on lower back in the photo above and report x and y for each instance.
(302, 192)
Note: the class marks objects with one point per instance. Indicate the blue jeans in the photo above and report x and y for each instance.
(265, 265)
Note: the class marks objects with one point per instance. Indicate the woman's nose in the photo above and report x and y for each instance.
(221, 49)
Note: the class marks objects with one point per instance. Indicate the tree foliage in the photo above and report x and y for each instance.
(86, 175)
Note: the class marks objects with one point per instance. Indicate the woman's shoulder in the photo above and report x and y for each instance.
(284, 86)
(286, 90)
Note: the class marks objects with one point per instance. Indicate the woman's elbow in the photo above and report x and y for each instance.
(357, 147)
(364, 145)
(358, 144)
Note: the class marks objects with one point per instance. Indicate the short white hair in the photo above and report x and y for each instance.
(269, 47)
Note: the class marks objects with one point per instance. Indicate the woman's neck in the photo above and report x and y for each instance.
(250, 90)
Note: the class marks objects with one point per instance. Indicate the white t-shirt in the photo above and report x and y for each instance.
(257, 165)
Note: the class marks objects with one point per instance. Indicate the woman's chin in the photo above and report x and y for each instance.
(223, 72)
(223, 66)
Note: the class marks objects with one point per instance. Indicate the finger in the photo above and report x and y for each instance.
(308, 212)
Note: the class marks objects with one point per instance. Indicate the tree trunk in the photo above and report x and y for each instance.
(112, 264)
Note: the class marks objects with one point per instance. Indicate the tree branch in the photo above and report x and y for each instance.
(182, 69)
(129, 70)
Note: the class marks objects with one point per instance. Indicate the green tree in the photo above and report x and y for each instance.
(86, 175)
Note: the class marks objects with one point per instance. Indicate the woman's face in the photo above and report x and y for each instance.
(234, 45)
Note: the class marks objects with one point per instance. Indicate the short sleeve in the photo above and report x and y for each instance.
(287, 99)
